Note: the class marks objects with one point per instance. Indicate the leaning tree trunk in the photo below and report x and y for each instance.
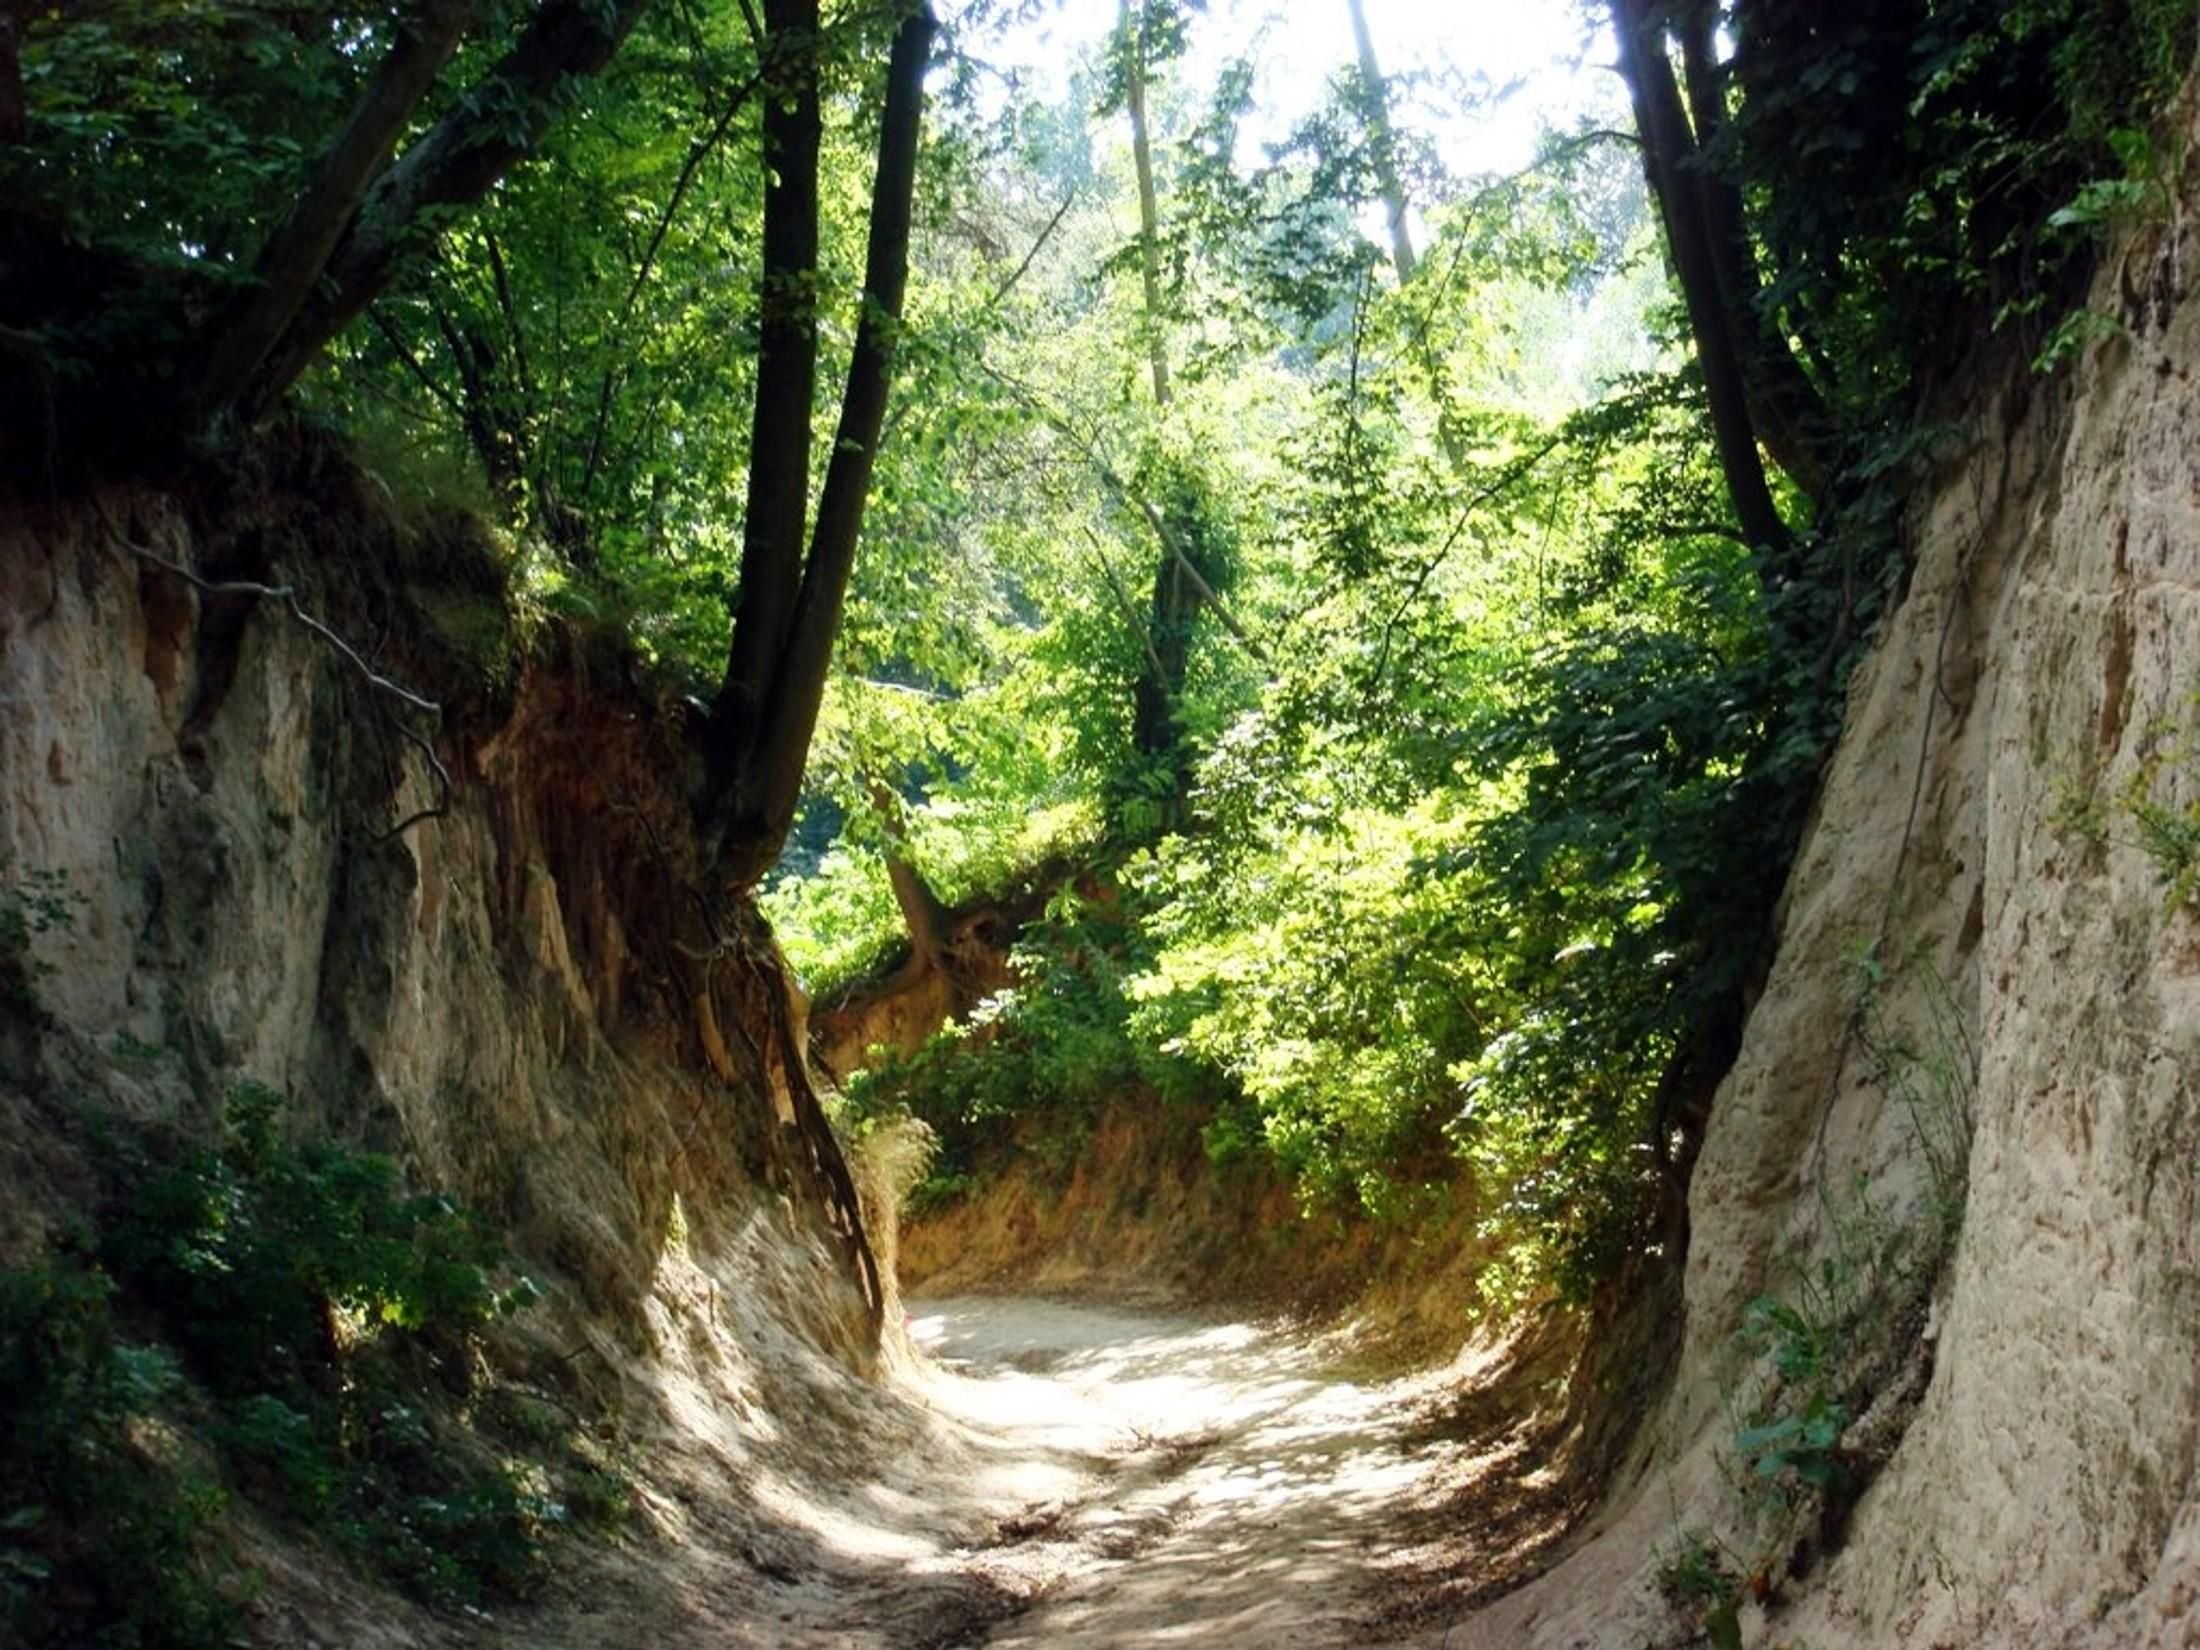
(292, 262)
(455, 163)
(1385, 142)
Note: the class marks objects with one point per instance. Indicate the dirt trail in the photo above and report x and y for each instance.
(1218, 1484)
(1054, 1474)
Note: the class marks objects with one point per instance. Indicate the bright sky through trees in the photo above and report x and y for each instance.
(1480, 78)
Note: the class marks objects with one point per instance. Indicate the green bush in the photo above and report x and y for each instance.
(261, 1254)
(311, 1293)
(312, 1302)
(102, 1541)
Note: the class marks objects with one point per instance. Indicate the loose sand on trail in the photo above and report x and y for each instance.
(1190, 1482)
(1034, 1473)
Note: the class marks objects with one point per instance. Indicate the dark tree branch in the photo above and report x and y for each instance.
(1789, 413)
(1507, 478)
(247, 328)
(1128, 608)
(1045, 235)
(1175, 556)
(495, 125)
(1669, 163)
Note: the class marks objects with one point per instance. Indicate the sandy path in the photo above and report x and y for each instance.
(1047, 1474)
(1218, 1484)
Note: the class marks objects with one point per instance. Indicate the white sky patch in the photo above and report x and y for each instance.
(1561, 68)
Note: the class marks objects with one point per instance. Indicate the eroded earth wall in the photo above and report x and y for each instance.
(1962, 1142)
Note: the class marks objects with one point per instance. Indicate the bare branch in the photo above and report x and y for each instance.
(1130, 609)
(1045, 235)
(286, 597)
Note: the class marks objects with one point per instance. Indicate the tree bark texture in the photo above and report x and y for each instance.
(790, 605)
(1149, 210)
(1385, 142)
(1671, 163)
(1784, 402)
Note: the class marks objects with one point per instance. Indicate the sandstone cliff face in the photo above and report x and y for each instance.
(2023, 1057)
(502, 997)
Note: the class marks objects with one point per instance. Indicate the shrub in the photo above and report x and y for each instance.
(311, 1294)
(101, 1541)
(261, 1255)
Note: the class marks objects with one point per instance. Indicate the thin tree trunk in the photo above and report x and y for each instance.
(1383, 139)
(1784, 403)
(1385, 144)
(248, 327)
(1154, 695)
(757, 760)
(456, 163)
(1149, 211)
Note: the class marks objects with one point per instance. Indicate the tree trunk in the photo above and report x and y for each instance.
(456, 163)
(1668, 161)
(1784, 403)
(1154, 731)
(1383, 140)
(778, 504)
(298, 251)
(14, 114)
(1385, 143)
(766, 711)
(1149, 211)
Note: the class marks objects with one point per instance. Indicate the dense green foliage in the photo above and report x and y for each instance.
(284, 1323)
(1482, 845)
(1432, 738)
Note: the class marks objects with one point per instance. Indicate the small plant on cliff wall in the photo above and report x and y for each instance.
(2148, 805)
(1930, 1070)
(2169, 830)
(1696, 1575)
(32, 902)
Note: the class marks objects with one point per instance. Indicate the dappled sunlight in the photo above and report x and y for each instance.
(1247, 1480)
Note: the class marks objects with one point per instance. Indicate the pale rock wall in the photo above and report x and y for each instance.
(492, 997)
(2047, 649)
